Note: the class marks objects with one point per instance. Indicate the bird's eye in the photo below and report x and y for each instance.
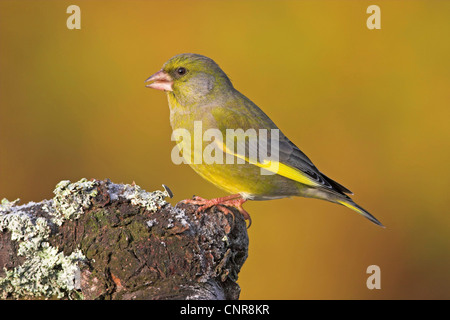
(181, 71)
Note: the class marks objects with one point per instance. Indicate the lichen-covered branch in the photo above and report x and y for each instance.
(101, 240)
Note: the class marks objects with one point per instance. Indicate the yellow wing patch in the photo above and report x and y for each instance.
(352, 207)
(277, 168)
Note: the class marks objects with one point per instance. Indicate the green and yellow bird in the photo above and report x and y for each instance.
(199, 92)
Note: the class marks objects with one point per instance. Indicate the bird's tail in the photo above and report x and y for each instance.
(351, 205)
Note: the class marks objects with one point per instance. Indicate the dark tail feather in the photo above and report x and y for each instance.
(337, 186)
(351, 205)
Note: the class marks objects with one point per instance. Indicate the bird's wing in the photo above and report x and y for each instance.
(292, 156)
(285, 159)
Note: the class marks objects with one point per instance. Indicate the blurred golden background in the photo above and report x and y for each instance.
(369, 107)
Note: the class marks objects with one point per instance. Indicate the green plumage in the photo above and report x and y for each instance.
(204, 93)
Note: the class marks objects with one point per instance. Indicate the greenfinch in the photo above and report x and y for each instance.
(202, 100)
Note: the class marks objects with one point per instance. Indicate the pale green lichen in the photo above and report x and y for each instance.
(30, 232)
(45, 271)
(71, 199)
(151, 201)
(6, 205)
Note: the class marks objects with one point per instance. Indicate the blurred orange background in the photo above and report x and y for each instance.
(369, 107)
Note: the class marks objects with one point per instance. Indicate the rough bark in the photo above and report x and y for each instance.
(100, 240)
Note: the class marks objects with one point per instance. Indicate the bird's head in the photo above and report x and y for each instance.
(190, 78)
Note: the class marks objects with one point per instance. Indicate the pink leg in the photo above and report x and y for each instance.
(234, 200)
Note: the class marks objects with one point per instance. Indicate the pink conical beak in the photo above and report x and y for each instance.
(160, 81)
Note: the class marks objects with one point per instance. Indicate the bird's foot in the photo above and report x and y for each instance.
(234, 200)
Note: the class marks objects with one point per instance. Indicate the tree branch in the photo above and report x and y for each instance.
(100, 240)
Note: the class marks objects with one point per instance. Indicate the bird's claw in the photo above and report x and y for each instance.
(221, 204)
